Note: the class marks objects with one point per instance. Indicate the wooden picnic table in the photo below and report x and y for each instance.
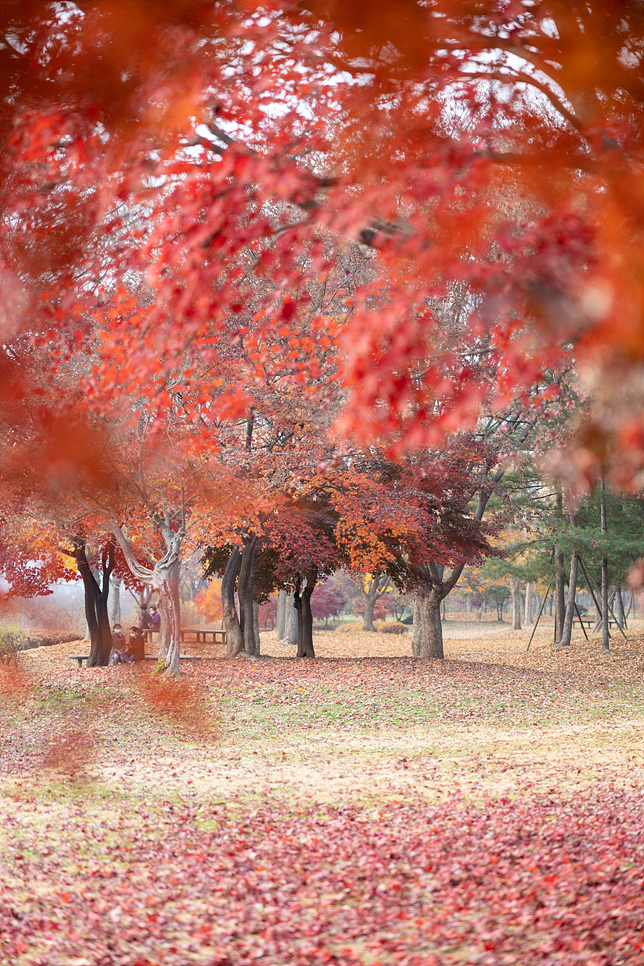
(590, 622)
(194, 635)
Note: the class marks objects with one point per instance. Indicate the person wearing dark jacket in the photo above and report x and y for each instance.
(136, 644)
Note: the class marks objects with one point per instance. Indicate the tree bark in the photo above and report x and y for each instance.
(164, 578)
(379, 586)
(604, 589)
(291, 632)
(256, 627)
(234, 637)
(417, 628)
(515, 590)
(566, 632)
(560, 581)
(305, 617)
(115, 603)
(619, 607)
(528, 603)
(428, 645)
(96, 598)
(246, 591)
(281, 615)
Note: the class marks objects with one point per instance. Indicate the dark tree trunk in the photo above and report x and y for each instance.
(245, 593)
(232, 627)
(302, 602)
(515, 590)
(96, 598)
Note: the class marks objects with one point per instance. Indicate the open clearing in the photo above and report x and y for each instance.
(364, 808)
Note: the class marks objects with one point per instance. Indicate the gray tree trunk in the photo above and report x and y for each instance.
(604, 527)
(379, 586)
(416, 628)
(281, 615)
(245, 593)
(429, 644)
(256, 627)
(115, 600)
(529, 596)
(619, 607)
(234, 637)
(515, 590)
(291, 620)
(566, 631)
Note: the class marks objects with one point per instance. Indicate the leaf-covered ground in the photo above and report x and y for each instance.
(363, 811)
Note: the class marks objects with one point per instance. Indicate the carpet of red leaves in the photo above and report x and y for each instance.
(92, 877)
(503, 882)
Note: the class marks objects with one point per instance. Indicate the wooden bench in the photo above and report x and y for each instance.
(591, 623)
(79, 657)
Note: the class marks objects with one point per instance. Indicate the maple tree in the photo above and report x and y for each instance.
(510, 188)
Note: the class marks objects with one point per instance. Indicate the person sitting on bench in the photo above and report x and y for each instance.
(119, 654)
(150, 619)
(136, 644)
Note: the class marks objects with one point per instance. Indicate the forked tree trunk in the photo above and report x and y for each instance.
(566, 632)
(515, 590)
(96, 598)
(379, 586)
(304, 616)
(234, 636)
(164, 579)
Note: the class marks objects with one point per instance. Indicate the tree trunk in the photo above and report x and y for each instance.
(566, 631)
(619, 607)
(96, 598)
(245, 593)
(115, 604)
(256, 627)
(281, 615)
(234, 637)
(515, 590)
(305, 617)
(291, 632)
(428, 644)
(529, 598)
(604, 527)
(379, 586)
(166, 580)
(417, 628)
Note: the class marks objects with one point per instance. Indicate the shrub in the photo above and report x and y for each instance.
(391, 627)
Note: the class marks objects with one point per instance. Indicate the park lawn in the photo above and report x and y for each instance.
(343, 811)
